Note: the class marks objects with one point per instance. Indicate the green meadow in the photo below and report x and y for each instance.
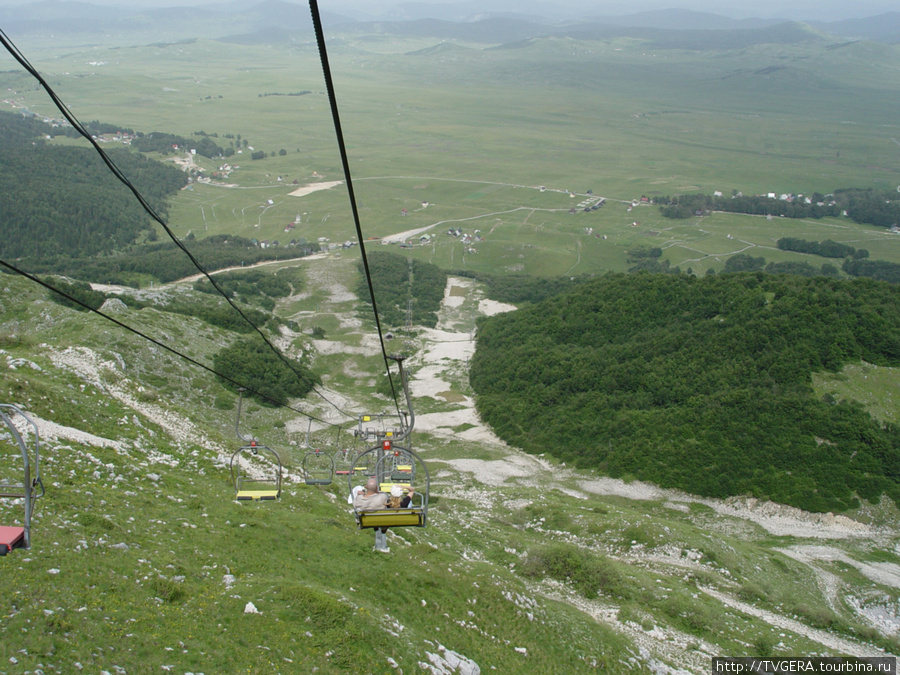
(443, 135)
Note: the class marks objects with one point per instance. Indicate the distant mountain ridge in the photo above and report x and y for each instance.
(59, 18)
(882, 28)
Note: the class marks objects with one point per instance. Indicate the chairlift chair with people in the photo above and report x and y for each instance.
(389, 461)
(416, 514)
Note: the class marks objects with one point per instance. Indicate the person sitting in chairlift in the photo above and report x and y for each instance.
(397, 500)
(371, 499)
(354, 493)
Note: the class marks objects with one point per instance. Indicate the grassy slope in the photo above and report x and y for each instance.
(872, 386)
(129, 570)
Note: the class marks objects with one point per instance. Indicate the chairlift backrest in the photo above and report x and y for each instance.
(265, 483)
(318, 467)
(19, 476)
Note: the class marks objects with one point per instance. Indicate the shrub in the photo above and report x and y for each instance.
(166, 589)
(80, 291)
(751, 592)
(255, 365)
(691, 616)
(92, 521)
(224, 402)
(589, 573)
(639, 534)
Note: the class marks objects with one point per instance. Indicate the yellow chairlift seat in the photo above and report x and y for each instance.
(391, 518)
(262, 488)
(257, 495)
(386, 487)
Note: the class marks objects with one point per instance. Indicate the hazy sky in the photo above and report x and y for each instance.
(827, 10)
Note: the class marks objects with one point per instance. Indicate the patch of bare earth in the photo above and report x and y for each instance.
(89, 365)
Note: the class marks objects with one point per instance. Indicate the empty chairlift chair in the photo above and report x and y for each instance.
(318, 467)
(20, 477)
(256, 473)
(343, 462)
(364, 465)
(402, 470)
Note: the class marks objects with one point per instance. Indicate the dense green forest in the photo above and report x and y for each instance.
(825, 249)
(702, 384)
(64, 213)
(881, 270)
(397, 280)
(63, 200)
(863, 205)
(253, 361)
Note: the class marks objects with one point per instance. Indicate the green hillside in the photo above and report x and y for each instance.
(63, 201)
(474, 132)
(141, 560)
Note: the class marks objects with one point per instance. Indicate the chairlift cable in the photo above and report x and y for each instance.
(156, 342)
(61, 106)
(332, 99)
(114, 169)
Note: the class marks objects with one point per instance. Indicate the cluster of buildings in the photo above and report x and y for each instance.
(467, 239)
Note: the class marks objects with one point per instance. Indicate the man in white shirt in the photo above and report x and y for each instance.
(373, 500)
